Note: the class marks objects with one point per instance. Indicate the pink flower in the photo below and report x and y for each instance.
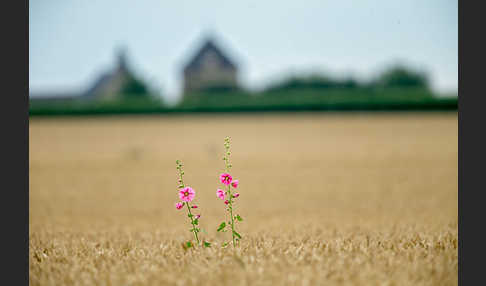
(226, 202)
(194, 207)
(187, 194)
(225, 178)
(235, 184)
(179, 205)
(236, 195)
(198, 216)
(220, 194)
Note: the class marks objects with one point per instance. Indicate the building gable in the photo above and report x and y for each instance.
(109, 84)
(209, 56)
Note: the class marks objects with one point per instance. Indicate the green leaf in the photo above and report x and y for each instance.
(237, 234)
(188, 244)
(224, 244)
(238, 217)
(207, 244)
(190, 215)
(196, 221)
(221, 226)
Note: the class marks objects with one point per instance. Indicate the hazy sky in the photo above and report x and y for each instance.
(72, 42)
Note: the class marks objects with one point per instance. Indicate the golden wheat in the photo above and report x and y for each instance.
(327, 199)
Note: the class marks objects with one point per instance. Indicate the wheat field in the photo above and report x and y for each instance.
(326, 199)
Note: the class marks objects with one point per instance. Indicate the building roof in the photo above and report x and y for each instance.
(107, 78)
(209, 45)
(100, 82)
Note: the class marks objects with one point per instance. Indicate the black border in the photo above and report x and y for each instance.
(471, 143)
(14, 24)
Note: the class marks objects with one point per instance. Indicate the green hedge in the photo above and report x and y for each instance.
(239, 101)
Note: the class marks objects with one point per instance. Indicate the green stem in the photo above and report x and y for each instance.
(182, 185)
(230, 200)
(231, 213)
(192, 222)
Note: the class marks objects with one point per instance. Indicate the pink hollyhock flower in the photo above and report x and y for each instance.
(225, 178)
(194, 207)
(198, 216)
(236, 195)
(226, 202)
(179, 205)
(235, 184)
(220, 194)
(187, 194)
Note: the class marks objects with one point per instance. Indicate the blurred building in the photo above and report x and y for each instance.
(113, 84)
(110, 84)
(210, 68)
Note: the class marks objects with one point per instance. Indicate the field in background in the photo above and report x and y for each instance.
(363, 199)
